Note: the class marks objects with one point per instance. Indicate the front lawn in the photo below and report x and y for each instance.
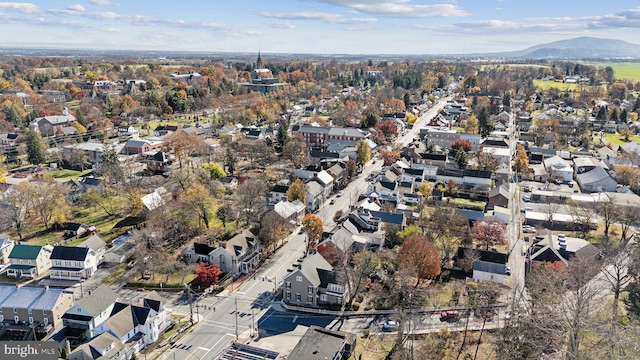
(617, 139)
(65, 174)
(468, 203)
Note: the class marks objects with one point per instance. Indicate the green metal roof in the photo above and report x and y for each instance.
(29, 252)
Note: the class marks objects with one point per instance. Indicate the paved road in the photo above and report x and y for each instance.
(250, 303)
(247, 304)
(360, 184)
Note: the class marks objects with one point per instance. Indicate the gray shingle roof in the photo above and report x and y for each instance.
(99, 300)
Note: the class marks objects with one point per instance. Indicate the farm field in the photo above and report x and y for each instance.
(629, 71)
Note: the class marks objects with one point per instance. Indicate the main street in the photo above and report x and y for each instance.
(230, 315)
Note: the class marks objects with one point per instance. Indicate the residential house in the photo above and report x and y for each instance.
(596, 180)
(53, 96)
(8, 140)
(154, 200)
(315, 195)
(29, 260)
(290, 211)
(92, 183)
(137, 326)
(547, 248)
(503, 155)
(321, 343)
(558, 168)
(91, 311)
(72, 263)
(278, 193)
(230, 183)
(128, 132)
(486, 265)
(326, 180)
(346, 134)
(586, 164)
(93, 151)
(192, 75)
(157, 162)
(140, 146)
(102, 347)
(499, 196)
(96, 244)
(25, 309)
(75, 229)
(6, 246)
(52, 125)
(162, 130)
(198, 253)
(314, 283)
(314, 136)
(238, 255)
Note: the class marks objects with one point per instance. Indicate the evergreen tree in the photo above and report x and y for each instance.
(623, 116)
(602, 113)
(483, 120)
(282, 135)
(35, 151)
(614, 115)
(230, 161)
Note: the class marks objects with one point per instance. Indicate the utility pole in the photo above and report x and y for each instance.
(236, 312)
(253, 319)
(188, 290)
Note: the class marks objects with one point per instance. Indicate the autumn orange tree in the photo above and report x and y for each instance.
(389, 155)
(461, 144)
(312, 226)
(207, 274)
(418, 252)
(521, 162)
(489, 233)
(297, 191)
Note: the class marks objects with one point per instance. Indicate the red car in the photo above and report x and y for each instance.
(450, 316)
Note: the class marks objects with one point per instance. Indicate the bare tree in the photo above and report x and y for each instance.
(609, 212)
(628, 218)
(549, 210)
(18, 201)
(616, 271)
(249, 195)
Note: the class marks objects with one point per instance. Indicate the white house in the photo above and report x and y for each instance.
(72, 263)
(137, 326)
(238, 255)
(488, 271)
(91, 311)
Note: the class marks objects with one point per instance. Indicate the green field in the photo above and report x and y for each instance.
(546, 85)
(624, 70)
(617, 139)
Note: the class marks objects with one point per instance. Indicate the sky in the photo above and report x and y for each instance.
(313, 26)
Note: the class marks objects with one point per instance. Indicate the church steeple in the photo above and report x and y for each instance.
(259, 61)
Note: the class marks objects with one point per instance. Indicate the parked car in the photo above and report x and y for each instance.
(450, 316)
(390, 325)
(333, 201)
(526, 198)
(527, 229)
(340, 193)
(507, 270)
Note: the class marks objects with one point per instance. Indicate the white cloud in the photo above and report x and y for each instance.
(76, 7)
(100, 2)
(399, 8)
(28, 8)
(318, 16)
(281, 25)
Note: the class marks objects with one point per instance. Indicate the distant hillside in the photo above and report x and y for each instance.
(578, 48)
